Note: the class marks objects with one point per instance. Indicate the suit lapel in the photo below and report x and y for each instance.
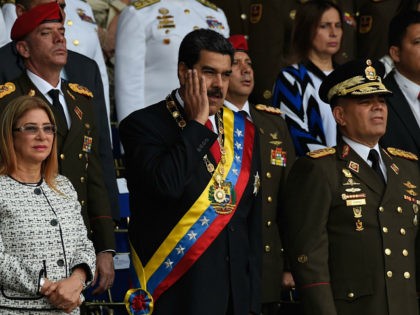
(402, 109)
(360, 169)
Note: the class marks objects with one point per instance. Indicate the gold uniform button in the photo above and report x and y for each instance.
(267, 248)
(268, 223)
(389, 274)
(402, 231)
(268, 175)
(80, 155)
(243, 16)
(267, 94)
(387, 251)
(399, 210)
(187, 11)
(269, 199)
(82, 202)
(196, 27)
(405, 252)
(166, 41)
(62, 156)
(407, 275)
(350, 295)
(381, 209)
(302, 259)
(69, 22)
(82, 179)
(76, 42)
(385, 229)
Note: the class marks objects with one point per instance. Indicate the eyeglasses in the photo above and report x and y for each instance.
(34, 129)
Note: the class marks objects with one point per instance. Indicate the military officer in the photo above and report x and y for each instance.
(148, 37)
(373, 18)
(277, 156)
(44, 53)
(257, 18)
(351, 211)
(81, 34)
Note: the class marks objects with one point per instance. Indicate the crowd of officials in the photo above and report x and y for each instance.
(270, 152)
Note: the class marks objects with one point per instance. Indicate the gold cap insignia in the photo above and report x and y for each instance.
(370, 71)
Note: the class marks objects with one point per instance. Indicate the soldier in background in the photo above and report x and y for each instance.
(4, 38)
(277, 156)
(148, 38)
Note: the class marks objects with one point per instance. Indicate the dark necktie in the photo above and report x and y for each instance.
(215, 148)
(374, 158)
(58, 110)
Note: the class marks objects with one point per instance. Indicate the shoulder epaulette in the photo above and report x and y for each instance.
(208, 4)
(6, 89)
(321, 153)
(80, 89)
(401, 153)
(268, 109)
(140, 4)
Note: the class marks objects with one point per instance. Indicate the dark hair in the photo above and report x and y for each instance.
(399, 24)
(307, 18)
(203, 39)
(26, 4)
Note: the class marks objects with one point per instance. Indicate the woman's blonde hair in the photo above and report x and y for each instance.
(12, 112)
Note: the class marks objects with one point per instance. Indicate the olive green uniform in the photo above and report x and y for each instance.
(351, 238)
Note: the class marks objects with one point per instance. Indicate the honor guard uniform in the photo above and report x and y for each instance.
(82, 37)
(351, 211)
(148, 38)
(4, 38)
(373, 18)
(256, 18)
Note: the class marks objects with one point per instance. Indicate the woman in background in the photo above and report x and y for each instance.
(46, 259)
(316, 38)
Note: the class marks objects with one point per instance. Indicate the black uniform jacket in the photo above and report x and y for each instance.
(84, 71)
(165, 175)
(402, 129)
(82, 168)
(351, 238)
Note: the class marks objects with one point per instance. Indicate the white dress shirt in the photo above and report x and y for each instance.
(411, 91)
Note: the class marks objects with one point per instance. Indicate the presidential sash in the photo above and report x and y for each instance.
(200, 225)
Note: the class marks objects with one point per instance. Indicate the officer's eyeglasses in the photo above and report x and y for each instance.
(34, 129)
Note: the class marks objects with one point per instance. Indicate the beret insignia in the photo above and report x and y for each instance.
(6, 89)
(140, 4)
(401, 153)
(321, 153)
(268, 109)
(80, 89)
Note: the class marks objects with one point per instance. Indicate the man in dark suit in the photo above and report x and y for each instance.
(78, 138)
(403, 129)
(277, 156)
(352, 211)
(193, 177)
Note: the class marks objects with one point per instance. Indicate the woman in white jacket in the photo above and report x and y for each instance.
(46, 259)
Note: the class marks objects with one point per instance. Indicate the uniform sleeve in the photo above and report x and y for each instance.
(292, 93)
(307, 201)
(130, 56)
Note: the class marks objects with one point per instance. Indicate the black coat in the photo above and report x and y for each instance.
(402, 130)
(165, 176)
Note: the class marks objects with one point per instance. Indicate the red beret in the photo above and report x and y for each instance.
(239, 42)
(28, 21)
